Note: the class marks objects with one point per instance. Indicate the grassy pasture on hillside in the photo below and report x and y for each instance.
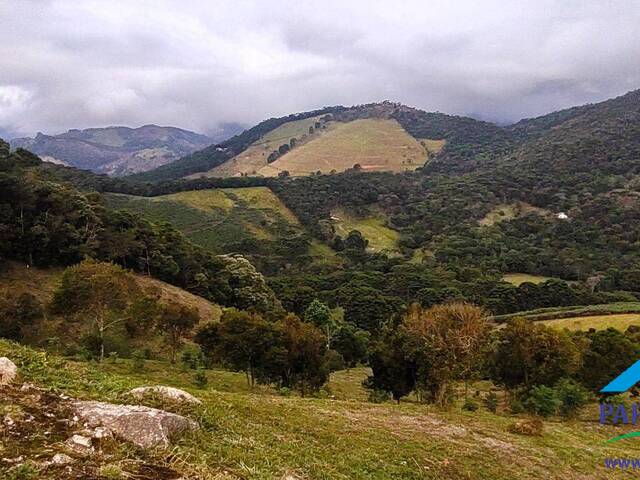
(216, 219)
(554, 313)
(519, 278)
(375, 144)
(510, 211)
(255, 157)
(598, 322)
(257, 434)
(374, 229)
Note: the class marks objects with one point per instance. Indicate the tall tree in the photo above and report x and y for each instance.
(97, 290)
(176, 321)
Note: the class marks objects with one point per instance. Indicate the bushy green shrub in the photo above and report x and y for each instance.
(379, 396)
(542, 400)
(490, 402)
(200, 378)
(137, 361)
(470, 405)
(516, 406)
(572, 396)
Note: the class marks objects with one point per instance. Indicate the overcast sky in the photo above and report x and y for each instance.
(197, 64)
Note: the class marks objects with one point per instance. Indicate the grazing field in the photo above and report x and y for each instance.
(255, 157)
(597, 322)
(255, 433)
(519, 278)
(554, 313)
(376, 145)
(374, 229)
(510, 211)
(217, 219)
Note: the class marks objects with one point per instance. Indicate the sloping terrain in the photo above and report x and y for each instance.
(258, 434)
(115, 150)
(251, 221)
(381, 238)
(368, 135)
(373, 144)
(17, 279)
(217, 219)
(254, 158)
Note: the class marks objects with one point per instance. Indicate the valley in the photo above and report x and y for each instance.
(418, 304)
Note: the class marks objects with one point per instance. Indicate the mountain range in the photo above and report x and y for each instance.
(116, 150)
(393, 137)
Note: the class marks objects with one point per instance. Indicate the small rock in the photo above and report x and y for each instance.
(166, 393)
(80, 444)
(61, 459)
(8, 371)
(144, 426)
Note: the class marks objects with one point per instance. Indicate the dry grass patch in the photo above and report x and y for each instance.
(255, 157)
(374, 144)
(598, 322)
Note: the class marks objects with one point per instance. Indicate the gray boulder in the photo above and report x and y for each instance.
(8, 371)
(144, 426)
(165, 393)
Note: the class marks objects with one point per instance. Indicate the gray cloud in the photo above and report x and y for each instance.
(68, 64)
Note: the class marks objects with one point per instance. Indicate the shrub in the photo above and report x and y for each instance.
(542, 400)
(529, 426)
(111, 472)
(25, 471)
(516, 406)
(470, 405)
(285, 391)
(138, 361)
(491, 402)
(334, 361)
(572, 396)
(200, 378)
(379, 396)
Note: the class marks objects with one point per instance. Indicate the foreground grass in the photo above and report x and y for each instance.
(257, 434)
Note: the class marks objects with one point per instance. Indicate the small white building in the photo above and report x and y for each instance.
(563, 216)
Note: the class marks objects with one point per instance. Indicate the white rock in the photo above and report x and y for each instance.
(144, 426)
(61, 459)
(80, 444)
(166, 393)
(8, 371)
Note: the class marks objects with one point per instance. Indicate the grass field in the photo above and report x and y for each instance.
(555, 313)
(519, 278)
(255, 157)
(258, 434)
(217, 219)
(374, 229)
(598, 322)
(509, 211)
(377, 145)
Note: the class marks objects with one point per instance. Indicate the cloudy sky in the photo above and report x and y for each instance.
(199, 64)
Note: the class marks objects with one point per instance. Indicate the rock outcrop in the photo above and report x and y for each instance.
(143, 426)
(164, 393)
(8, 371)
